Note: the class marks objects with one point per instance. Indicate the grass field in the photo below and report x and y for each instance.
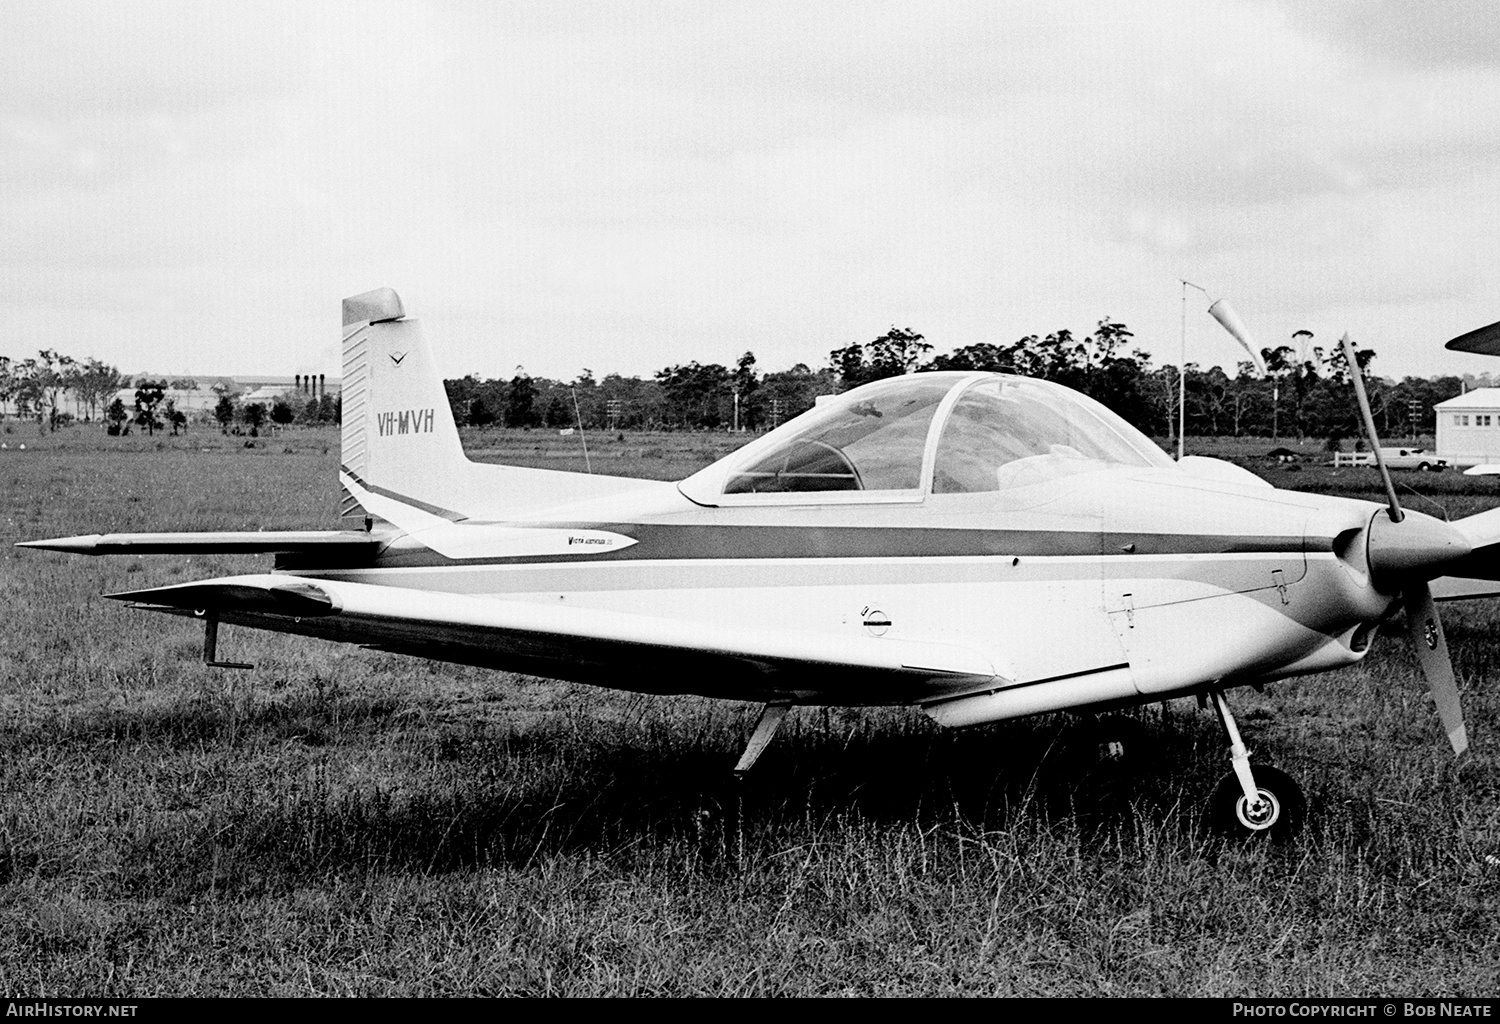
(344, 822)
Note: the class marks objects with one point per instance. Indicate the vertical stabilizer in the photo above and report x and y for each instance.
(398, 432)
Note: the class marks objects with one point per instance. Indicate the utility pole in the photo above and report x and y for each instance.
(1182, 369)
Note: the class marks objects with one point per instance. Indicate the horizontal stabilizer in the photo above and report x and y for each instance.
(227, 543)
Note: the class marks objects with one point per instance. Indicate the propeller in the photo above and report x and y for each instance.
(1406, 553)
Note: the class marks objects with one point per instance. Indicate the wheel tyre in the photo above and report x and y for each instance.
(1424, 467)
(1230, 816)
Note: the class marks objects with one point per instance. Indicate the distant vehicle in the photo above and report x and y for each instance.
(1413, 458)
(1395, 458)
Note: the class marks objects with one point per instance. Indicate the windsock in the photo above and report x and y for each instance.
(1230, 320)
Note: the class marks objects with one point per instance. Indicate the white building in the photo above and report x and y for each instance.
(1468, 428)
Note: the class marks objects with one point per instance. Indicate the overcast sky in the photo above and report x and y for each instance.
(621, 186)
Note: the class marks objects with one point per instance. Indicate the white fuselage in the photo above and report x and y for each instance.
(1121, 585)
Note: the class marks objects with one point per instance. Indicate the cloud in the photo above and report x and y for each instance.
(626, 186)
(1409, 33)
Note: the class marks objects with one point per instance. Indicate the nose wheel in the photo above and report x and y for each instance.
(1276, 812)
(1252, 800)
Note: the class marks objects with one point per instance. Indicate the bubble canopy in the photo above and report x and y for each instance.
(939, 433)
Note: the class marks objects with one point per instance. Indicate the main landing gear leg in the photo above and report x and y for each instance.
(765, 729)
(1258, 800)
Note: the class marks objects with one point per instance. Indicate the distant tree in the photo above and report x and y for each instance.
(1337, 364)
(640, 402)
(92, 382)
(281, 411)
(53, 372)
(253, 414)
(7, 383)
(745, 383)
(789, 393)
(695, 394)
(118, 417)
(981, 356)
(585, 396)
(175, 416)
(1208, 394)
(478, 414)
(310, 413)
(474, 402)
(520, 399)
(896, 352)
(148, 395)
(556, 405)
(1251, 394)
(1294, 371)
(1160, 389)
(1419, 394)
(224, 412)
(460, 394)
(28, 389)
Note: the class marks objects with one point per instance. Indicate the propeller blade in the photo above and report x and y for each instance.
(1426, 632)
(1358, 377)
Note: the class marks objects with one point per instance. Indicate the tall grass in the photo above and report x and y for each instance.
(345, 822)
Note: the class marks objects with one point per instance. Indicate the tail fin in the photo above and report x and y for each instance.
(399, 437)
(403, 461)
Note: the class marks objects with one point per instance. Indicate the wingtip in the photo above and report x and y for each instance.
(1460, 740)
(82, 545)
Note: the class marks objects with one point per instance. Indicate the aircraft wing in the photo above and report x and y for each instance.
(1450, 588)
(225, 543)
(623, 650)
(1482, 531)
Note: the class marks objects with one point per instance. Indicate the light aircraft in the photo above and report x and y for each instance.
(980, 546)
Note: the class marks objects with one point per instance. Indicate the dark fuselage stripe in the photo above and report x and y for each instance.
(658, 542)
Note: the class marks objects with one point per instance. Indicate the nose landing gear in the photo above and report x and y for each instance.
(1252, 799)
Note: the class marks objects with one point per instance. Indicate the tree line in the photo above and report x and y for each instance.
(1305, 392)
(35, 389)
(36, 386)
